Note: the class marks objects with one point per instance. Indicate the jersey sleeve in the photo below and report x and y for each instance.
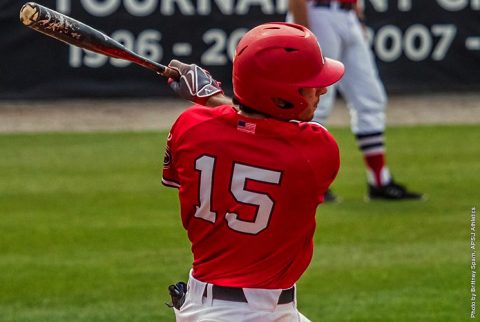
(324, 152)
(191, 117)
(332, 166)
(170, 176)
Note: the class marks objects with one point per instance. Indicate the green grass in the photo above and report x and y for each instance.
(87, 232)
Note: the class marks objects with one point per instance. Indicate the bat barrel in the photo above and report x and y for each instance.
(74, 32)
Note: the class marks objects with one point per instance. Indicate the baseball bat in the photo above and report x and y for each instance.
(74, 32)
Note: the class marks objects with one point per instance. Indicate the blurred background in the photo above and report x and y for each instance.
(419, 45)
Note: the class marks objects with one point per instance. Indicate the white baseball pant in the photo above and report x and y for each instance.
(261, 307)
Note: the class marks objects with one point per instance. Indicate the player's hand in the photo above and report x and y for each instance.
(195, 83)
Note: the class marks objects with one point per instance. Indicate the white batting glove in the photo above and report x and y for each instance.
(195, 83)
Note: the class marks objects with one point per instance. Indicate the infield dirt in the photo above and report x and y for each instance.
(158, 114)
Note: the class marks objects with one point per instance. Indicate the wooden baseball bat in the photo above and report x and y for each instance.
(74, 32)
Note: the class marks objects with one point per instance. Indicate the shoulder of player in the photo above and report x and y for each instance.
(199, 113)
(312, 128)
(315, 134)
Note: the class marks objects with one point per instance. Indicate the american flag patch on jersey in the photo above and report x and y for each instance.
(247, 127)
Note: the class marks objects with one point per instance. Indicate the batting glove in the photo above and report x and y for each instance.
(195, 83)
(177, 293)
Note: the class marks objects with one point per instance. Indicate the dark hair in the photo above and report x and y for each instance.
(247, 109)
(244, 108)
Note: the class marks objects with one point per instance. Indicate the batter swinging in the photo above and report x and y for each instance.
(249, 182)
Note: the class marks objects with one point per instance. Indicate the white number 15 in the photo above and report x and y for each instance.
(241, 173)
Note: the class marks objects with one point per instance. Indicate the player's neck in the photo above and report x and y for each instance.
(253, 115)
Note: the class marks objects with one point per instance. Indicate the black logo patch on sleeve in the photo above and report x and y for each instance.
(167, 159)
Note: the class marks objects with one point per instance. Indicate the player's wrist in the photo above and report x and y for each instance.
(194, 84)
(218, 99)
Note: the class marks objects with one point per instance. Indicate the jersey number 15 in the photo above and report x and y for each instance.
(240, 174)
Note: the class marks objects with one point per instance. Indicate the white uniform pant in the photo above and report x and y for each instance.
(341, 37)
(261, 307)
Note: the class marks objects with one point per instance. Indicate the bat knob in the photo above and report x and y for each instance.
(29, 13)
(171, 73)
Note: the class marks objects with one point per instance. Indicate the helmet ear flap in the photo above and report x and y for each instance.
(283, 104)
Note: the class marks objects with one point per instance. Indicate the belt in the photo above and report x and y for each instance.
(328, 4)
(235, 294)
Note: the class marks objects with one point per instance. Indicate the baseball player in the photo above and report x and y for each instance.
(249, 182)
(338, 27)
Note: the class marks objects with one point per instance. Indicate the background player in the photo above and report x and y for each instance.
(338, 27)
(249, 182)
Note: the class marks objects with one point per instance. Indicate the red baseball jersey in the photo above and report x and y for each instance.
(248, 191)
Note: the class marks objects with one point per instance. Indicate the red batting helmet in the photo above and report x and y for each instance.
(273, 61)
